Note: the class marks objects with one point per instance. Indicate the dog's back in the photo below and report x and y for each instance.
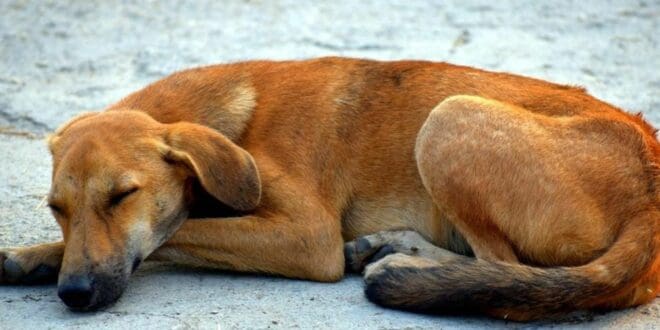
(347, 129)
(348, 125)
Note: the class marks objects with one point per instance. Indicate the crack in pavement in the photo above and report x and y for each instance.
(335, 47)
(11, 131)
(24, 121)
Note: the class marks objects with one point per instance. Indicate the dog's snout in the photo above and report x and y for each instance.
(76, 292)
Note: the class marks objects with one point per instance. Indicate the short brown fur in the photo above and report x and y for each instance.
(307, 155)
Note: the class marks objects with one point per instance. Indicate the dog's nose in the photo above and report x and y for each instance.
(76, 292)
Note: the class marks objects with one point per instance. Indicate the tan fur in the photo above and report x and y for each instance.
(285, 161)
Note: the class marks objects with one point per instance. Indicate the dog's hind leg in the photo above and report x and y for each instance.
(519, 185)
(31, 265)
(575, 195)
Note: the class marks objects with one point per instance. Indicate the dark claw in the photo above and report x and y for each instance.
(362, 245)
(348, 257)
(382, 252)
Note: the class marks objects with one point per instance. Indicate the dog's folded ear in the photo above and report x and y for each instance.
(225, 170)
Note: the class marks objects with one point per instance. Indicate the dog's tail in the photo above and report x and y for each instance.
(520, 292)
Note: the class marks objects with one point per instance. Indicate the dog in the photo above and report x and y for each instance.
(459, 190)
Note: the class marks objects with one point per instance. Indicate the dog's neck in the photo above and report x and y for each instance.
(228, 111)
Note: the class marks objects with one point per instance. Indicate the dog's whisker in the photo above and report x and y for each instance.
(42, 202)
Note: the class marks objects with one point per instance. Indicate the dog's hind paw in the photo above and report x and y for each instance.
(387, 280)
(371, 248)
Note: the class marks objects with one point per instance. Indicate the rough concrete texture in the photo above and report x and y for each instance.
(58, 58)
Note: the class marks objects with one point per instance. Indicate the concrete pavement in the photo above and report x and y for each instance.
(58, 58)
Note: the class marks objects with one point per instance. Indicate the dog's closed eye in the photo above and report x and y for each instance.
(117, 198)
(55, 208)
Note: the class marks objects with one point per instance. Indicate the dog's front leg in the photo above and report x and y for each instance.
(31, 265)
(278, 245)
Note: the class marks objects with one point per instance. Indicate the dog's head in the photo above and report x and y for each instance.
(122, 184)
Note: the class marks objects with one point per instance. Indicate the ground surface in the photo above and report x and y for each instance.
(58, 58)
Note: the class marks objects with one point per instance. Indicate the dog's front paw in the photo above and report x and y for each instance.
(10, 270)
(371, 248)
(21, 266)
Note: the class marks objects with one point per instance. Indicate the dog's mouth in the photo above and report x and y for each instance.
(82, 295)
(136, 263)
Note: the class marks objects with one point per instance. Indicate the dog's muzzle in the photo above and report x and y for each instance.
(91, 291)
(77, 292)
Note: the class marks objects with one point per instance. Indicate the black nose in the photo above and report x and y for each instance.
(76, 292)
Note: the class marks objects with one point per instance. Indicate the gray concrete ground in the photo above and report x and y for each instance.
(58, 58)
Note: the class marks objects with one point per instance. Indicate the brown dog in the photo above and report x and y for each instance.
(271, 166)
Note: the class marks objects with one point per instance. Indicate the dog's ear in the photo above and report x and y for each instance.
(225, 170)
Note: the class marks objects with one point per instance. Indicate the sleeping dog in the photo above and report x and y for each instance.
(458, 189)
